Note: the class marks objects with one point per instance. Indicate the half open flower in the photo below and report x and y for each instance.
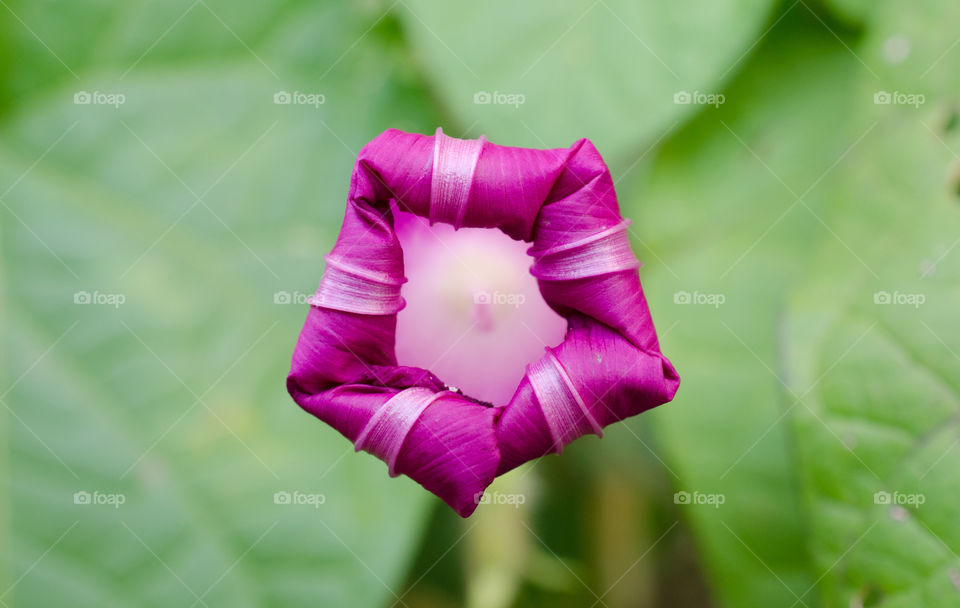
(608, 367)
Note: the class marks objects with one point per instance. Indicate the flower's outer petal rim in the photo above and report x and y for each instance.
(608, 367)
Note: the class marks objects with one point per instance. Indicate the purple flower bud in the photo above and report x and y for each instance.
(608, 367)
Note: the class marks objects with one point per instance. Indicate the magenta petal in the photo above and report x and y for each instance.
(615, 379)
(453, 452)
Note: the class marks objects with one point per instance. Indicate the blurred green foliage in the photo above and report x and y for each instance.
(793, 171)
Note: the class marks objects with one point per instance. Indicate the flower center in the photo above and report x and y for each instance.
(474, 315)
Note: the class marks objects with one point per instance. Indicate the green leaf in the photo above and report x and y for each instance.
(871, 338)
(196, 201)
(723, 235)
(607, 70)
(874, 359)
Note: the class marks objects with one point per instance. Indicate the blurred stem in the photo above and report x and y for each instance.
(497, 543)
(621, 536)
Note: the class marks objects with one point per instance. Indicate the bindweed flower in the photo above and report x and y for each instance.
(608, 367)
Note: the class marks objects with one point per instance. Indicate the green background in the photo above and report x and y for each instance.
(801, 250)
